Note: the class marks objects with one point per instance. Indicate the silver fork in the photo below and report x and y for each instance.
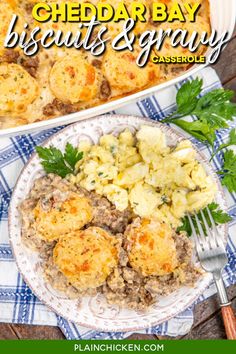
(213, 259)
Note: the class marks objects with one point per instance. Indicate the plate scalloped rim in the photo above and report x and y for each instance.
(94, 312)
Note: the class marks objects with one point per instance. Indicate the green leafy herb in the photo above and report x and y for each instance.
(215, 108)
(72, 155)
(200, 130)
(232, 141)
(212, 111)
(186, 97)
(54, 161)
(218, 215)
(229, 171)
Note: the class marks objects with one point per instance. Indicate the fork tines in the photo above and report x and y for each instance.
(205, 231)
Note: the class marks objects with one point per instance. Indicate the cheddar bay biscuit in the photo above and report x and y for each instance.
(151, 248)
(18, 89)
(72, 79)
(123, 72)
(86, 257)
(70, 215)
(7, 9)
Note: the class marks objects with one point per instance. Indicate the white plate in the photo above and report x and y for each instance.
(94, 312)
(223, 15)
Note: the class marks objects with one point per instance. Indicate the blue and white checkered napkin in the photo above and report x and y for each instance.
(17, 303)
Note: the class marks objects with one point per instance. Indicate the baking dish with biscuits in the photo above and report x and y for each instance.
(63, 85)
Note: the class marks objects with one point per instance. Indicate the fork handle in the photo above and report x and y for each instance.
(226, 309)
(229, 321)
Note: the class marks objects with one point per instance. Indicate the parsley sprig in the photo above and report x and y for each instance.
(54, 161)
(212, 111)
(228, 171)
(219, 216)
(231, 142)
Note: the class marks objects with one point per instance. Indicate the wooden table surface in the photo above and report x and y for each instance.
(207, 318)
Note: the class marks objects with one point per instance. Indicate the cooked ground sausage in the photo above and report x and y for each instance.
(49, 109)
(107, 216)
(57, 105)
(97, 63)
(125, 286)
(10, 56)
(30, 64)
(29, 8)
(64, 108)
(105, 89)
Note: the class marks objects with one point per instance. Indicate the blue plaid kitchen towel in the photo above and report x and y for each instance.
(17, 303)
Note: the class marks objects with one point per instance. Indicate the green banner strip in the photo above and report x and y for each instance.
(116, 346)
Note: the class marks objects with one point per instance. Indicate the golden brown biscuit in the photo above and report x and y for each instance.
(73, 79)
(151, 248)
(71, 215)
(18, 89)
(7, 9)
(124, 74)
(86, 257)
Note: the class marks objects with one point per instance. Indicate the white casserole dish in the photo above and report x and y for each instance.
(223, 16)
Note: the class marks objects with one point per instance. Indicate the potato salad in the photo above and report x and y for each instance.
(141, 172)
